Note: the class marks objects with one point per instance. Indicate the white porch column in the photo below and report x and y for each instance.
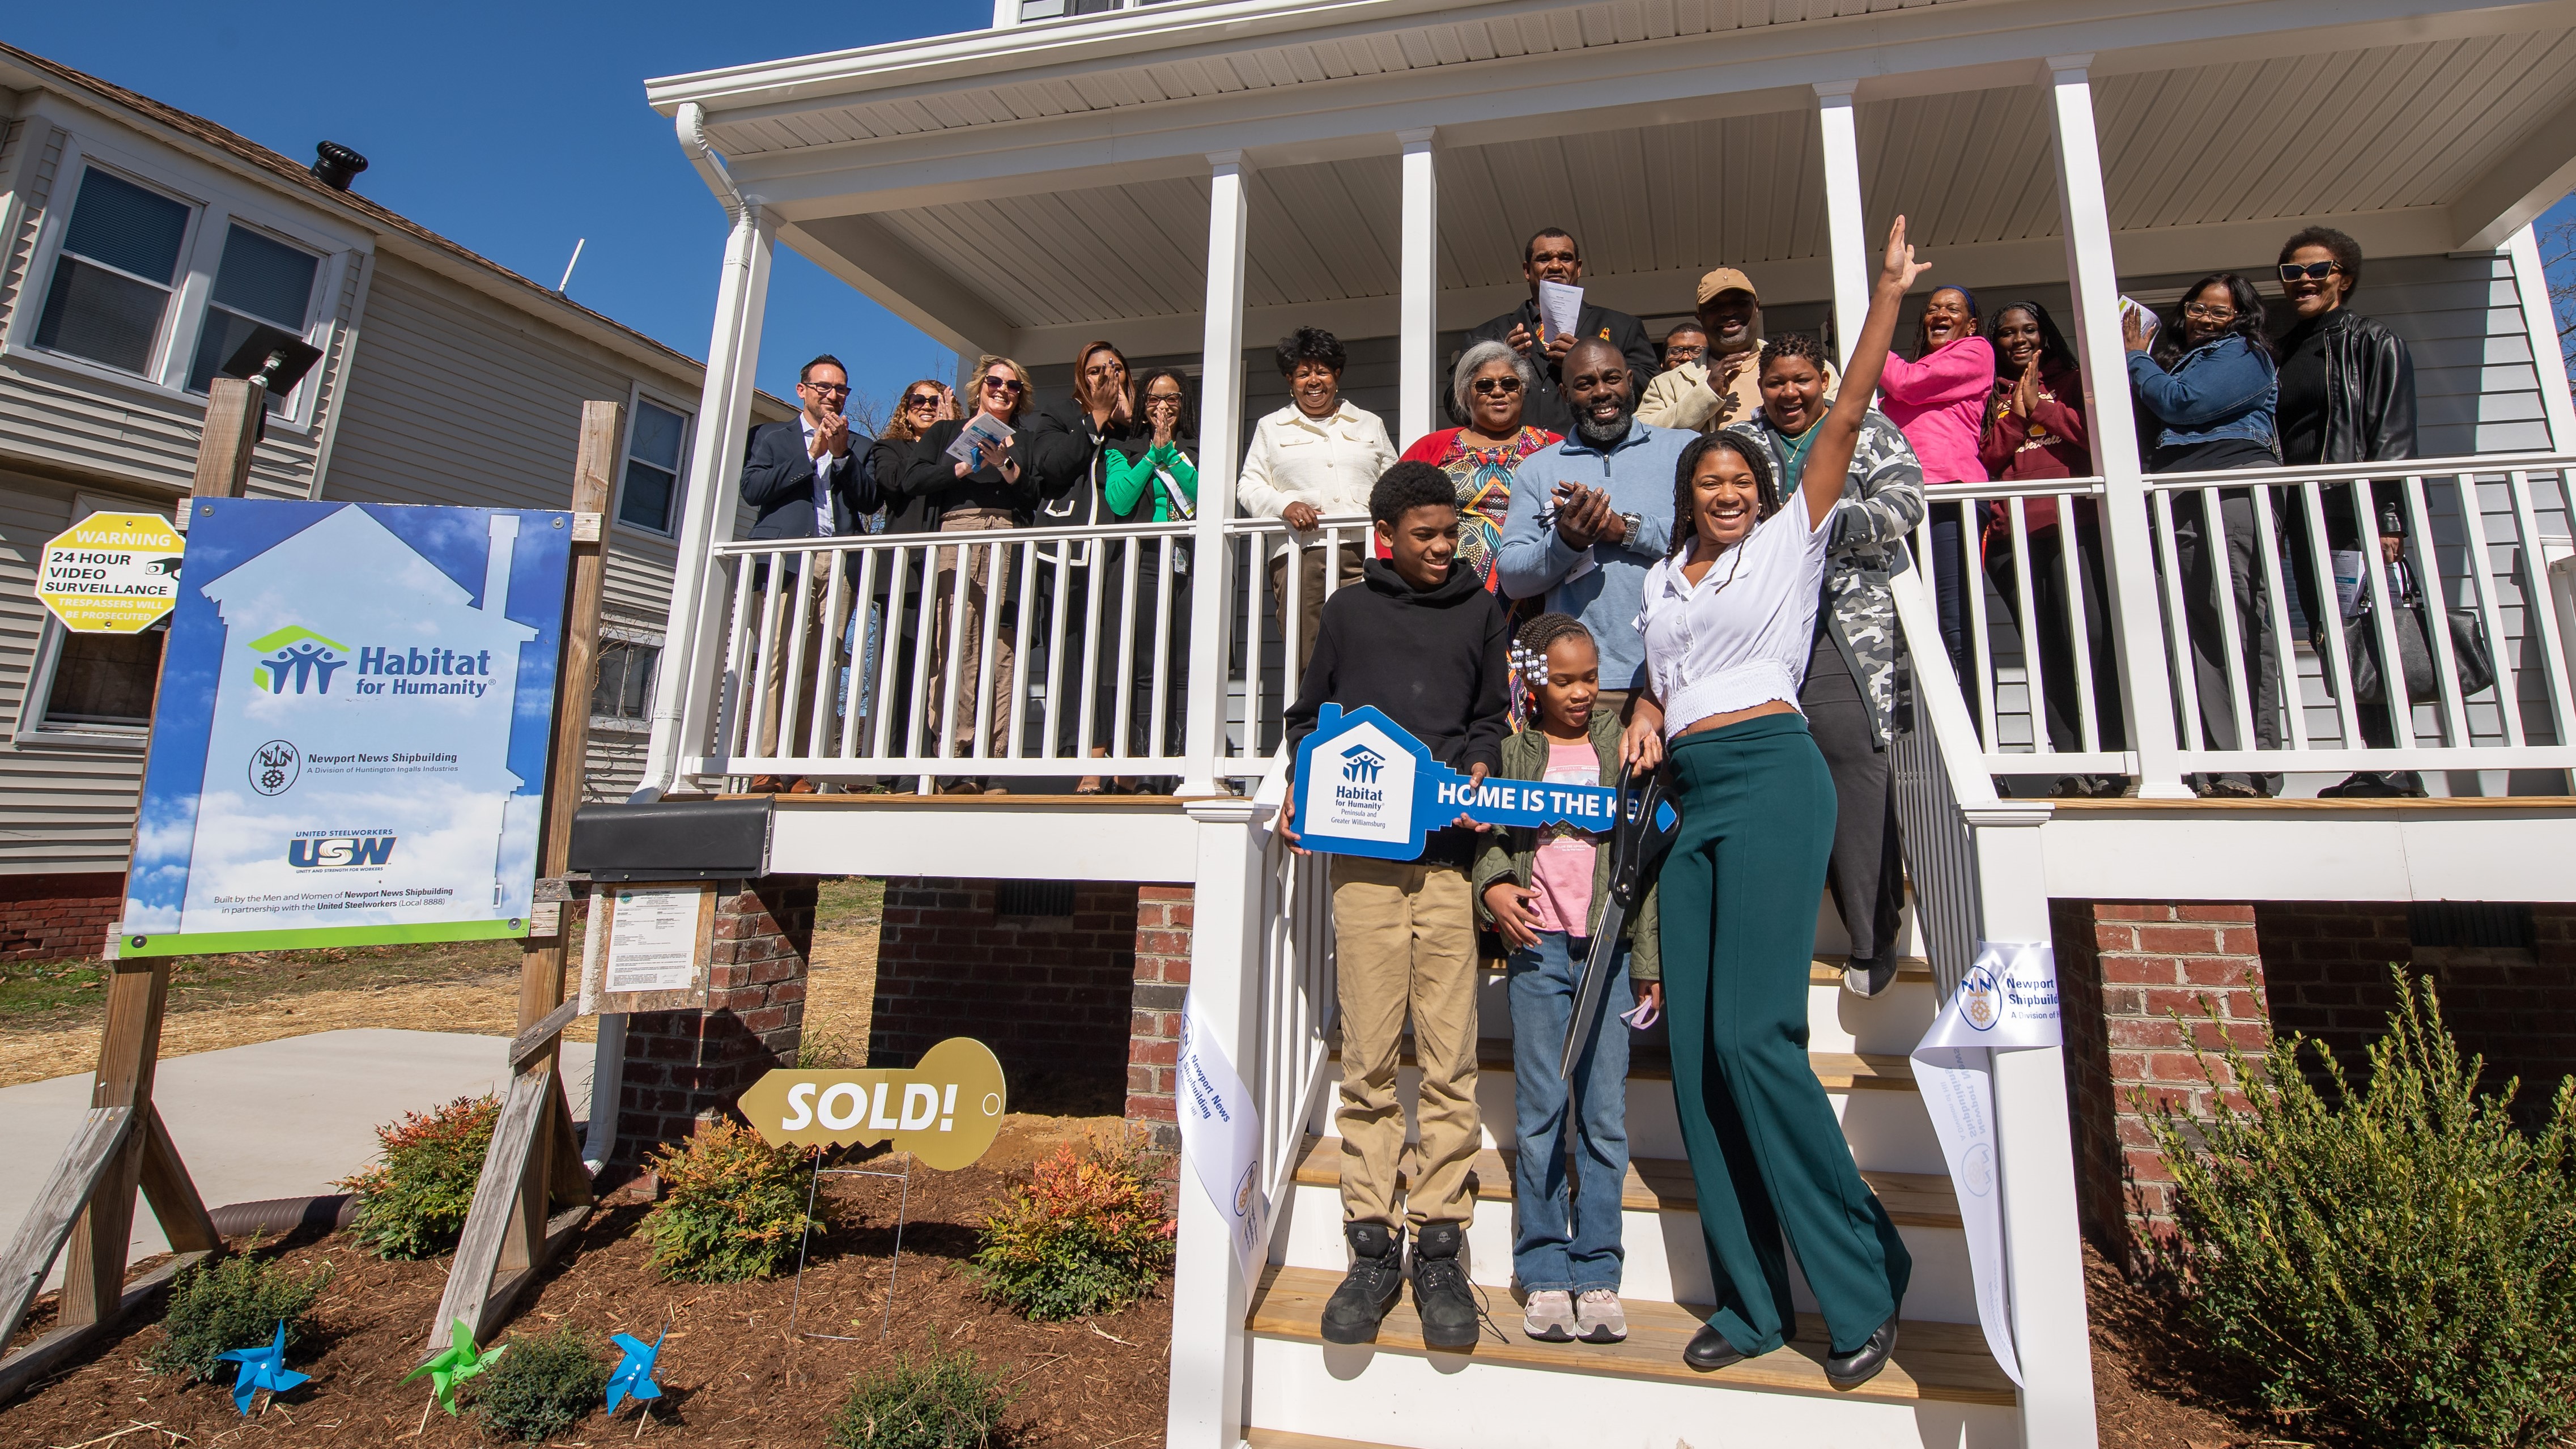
(1209, 1298)
(2043, 1246)
(1846, 231)
(684, 689)
(1416, 355)
(1220, 457)
(2092, 274)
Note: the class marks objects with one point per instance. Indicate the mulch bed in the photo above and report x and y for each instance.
(731, 1373)
(2155, 1386)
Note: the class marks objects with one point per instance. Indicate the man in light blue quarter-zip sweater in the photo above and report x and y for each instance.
(1592, 512)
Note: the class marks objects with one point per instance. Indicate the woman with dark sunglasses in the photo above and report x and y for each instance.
(1491, 385)
(2209, 387)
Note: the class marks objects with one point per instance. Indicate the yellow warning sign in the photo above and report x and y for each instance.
(112, 573)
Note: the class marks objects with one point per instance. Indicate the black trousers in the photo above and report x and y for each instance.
(2061, 703)
(1867, 872)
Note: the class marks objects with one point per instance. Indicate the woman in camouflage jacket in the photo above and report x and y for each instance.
(1849, 696)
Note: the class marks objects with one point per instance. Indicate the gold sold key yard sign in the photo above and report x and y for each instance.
(112, 573)
(946, 1111)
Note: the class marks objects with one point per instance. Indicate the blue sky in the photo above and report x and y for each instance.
(517, 129)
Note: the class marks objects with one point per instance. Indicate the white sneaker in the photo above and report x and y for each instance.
(1550, 1317)
(1598, 1318)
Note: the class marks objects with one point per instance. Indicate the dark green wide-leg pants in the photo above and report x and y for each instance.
(1739, 895)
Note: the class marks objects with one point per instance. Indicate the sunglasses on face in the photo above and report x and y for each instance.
(1496, 386)
(1003, 384)
(922, 400)
(2313, 271)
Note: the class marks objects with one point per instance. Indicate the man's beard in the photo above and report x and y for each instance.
(1600, 434)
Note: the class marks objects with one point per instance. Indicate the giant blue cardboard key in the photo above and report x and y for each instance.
(1367, 787)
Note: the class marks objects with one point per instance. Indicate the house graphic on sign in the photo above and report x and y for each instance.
(1361, 763)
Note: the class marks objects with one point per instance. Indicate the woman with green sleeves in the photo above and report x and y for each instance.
(1149, 476)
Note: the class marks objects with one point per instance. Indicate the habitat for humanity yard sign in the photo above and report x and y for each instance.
(1366, 786)
(350, 747)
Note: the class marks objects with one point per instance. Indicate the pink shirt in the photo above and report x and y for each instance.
(1561, 871)
(1940, 406)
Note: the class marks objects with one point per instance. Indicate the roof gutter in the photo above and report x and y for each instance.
(691, 122)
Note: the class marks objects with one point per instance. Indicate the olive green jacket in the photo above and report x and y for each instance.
(1508, 852)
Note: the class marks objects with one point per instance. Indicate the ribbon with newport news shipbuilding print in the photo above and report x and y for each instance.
(1365, 786)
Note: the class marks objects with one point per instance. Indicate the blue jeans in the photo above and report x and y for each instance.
(1548, 1252)
(867, 657)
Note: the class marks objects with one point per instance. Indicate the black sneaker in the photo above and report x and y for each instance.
(1440, 1292)
(1373, 1285)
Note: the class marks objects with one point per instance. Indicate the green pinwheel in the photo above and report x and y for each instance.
(457, 1363)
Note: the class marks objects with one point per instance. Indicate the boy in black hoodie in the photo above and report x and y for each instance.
(1422, 641)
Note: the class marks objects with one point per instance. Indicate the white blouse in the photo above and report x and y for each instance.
(1741, 636)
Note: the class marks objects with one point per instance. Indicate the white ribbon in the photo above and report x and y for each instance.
(1221, 1136)
(2007, 1000)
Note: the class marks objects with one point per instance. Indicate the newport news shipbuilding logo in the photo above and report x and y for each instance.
(297, 656)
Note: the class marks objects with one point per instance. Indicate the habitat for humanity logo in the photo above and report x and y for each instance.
(298, 654)
(321, 850)
(1361, 764)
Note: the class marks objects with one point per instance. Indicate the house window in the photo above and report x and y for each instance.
(653, 443)
(113, 282)
(259, 281)
(623, 688)
(104, 679)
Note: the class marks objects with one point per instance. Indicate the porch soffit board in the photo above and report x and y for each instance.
(1900, 51)
(863, 252)
(2535, 170)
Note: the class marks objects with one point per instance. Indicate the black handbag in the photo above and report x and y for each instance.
(2469, 653)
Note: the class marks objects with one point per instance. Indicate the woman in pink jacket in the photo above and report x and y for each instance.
(1939, 402)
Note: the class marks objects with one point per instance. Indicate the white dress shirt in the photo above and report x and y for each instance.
(1741, 636)
(1329, 463)
(824, 468)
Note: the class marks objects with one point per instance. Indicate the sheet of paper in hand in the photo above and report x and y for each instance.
(1559, 307)
(1366, 787)
(983, 434)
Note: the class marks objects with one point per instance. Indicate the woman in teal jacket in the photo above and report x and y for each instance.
(1150, 476)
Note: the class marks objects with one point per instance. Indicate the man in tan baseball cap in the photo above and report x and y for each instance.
(1724, 386)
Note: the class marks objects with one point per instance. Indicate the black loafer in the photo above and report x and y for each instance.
(1853, 1369)
(1710, 1350)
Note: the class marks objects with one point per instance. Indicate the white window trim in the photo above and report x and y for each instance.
(637, 392)
(627, 634)
(30, 731)
(216, 201)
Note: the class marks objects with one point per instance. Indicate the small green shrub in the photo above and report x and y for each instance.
(543, 1386)
(735, 1209)
(2394, 1261)
(237, 1301)
(941, 1401)
(1084, 1235)
(819, 1050)
(413, 1203)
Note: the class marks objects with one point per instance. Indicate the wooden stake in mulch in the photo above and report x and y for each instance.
(534, 1191)
(121, 1145)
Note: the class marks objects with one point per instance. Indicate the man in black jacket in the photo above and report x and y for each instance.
(809, 480)
(1552, 256)
(2347, 396)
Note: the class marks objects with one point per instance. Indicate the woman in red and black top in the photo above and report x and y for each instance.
(2035, 429)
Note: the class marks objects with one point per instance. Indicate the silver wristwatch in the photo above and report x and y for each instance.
(1636, 527)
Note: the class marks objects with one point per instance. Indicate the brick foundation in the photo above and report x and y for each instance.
(1049, 994)
(684, 1069)
(1164, 915)
(52, 917)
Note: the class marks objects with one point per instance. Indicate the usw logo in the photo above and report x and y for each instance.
(340, 850)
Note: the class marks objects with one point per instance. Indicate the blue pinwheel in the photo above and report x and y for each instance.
(634, 1376)
(262, 1368)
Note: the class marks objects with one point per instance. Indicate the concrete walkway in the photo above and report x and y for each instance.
(275, 1119)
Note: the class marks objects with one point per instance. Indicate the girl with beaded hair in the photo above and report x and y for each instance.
(1542, 890)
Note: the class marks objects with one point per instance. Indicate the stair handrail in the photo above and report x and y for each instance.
(1938, 771)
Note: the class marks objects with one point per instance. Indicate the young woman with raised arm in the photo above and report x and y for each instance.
(1729, 619)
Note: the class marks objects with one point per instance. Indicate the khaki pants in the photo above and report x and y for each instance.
(1310, 599)
(797, 591)
(988, 584)
(1405, 938)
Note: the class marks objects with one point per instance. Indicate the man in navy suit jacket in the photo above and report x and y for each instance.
(809, 480)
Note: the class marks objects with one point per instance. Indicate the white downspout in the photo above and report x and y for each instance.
(685, 687)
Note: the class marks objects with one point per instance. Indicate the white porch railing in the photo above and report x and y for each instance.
(2480, 534)
(1294, 993)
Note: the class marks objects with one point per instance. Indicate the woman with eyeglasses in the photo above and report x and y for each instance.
(1490, 384)
(1151, 475)
(983, 492)
(2207, 382)
(2035, 429)
(1070, 441)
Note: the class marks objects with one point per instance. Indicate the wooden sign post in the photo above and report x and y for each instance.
(121, 1144)
(534, 1190)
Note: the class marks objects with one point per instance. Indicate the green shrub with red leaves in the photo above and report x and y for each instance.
(734, 1207)
(1086, 1234)
(412, 1204)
